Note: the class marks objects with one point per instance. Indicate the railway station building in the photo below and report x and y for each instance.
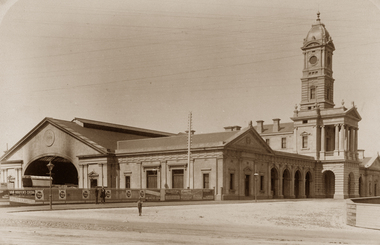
(316, 154)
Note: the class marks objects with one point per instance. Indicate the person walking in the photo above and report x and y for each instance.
(96, 195)
(103, 195)
(139, 206)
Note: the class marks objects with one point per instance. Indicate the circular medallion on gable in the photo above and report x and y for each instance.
(49, 137)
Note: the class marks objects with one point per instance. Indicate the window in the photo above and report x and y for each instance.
(127, 182)
(267, 141)
(206, 181)
(304, 121)
(177, 178)
(312, 93)
(93, 183)
(328, 94)
(231, 181)
(304, 141)
(151, 179)
(283, 143)
(261, 182)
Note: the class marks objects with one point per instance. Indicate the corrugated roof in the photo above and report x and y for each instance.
(284, 128)
(178, 142)
(99, 138)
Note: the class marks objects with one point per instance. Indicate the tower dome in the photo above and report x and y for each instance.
(318, 33)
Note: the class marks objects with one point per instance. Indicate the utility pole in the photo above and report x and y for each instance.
(189, 151)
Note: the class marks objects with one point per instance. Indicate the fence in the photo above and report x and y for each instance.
(363, 212)
(76, 195)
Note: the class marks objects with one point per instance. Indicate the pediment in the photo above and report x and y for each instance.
(353, 113)
(250, 140)
(374, 164)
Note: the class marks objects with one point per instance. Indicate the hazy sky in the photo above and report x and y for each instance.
(147, 63)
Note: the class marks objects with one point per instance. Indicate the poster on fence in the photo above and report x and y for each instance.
(39, 196)
(108, 194)
(128, 194)
(152, 195)
(208, 194)
(85, 194)
(62, 194)
(172, 194)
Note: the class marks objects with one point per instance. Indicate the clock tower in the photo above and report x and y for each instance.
(317, 80)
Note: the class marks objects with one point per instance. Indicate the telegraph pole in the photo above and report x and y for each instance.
(189, 151)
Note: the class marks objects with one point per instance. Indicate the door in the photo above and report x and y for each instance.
(246, 181)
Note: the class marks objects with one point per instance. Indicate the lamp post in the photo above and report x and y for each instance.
(256, 174)
(50, 166)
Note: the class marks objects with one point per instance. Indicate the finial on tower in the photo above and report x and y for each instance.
(318, 14)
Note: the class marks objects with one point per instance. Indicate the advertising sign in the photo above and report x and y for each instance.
(85, 194)
(128, 194)
(39, 195)
(108, 194)
(62, 194)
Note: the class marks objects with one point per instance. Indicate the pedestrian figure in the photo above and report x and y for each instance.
(103, 195)
(96, 195)
(139, 206)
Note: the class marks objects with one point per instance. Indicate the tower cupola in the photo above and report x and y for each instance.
(317, 80)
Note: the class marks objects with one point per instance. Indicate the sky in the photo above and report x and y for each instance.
(148, 63)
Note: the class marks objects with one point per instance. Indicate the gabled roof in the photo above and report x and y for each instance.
(100, 136)
(179, 142)
(372, 163)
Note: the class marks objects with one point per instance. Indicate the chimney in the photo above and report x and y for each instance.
(260, 126)
(232, 128)
(276, 124)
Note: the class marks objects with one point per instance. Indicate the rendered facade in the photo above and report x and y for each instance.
(315, 155)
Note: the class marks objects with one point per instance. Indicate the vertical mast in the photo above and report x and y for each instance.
(189, 151)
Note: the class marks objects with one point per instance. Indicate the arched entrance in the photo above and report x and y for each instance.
(274, 182)
(329, 182)
(286, 183)
(350, 185)
(297, 183)
(63, 173)
(307, 184)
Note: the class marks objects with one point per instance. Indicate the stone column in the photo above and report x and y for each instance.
(336, 150)
(356, 144)
(342, 146)
(292, 182)
(302, 183)
(323, 142)
(295, 139)
(280, 194)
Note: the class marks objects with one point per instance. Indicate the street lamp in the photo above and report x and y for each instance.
(256, 174)
(50, 166)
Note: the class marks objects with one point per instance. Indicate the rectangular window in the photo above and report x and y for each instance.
(177, 178)
(206, 181)
(304, 141)
(261, 182)
(267, 141)
(127, 182)
(231, 181)
(312, 93)
(151, 179)
(283, 143)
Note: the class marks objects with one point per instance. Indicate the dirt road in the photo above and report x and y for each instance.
(291, 222)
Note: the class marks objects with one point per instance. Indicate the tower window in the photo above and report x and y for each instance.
(328, 93)
(312, 93)
(304, 142)
(283, 143)
(267, 141)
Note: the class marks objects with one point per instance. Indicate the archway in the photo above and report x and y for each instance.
(307, 184)
(329, 182)
(274, 182)
(350, 185)
(286, 183)
(63, 173)
(297, 182)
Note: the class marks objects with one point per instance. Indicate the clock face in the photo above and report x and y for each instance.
(313, 60)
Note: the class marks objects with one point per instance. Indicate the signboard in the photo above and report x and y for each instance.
(62, 194)
(108, 194)
(208, 194)
(152, 194)
(85, 194)
(142, 194)
(186, 195)
(172, 194)
(39, 195)
(128, 193)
